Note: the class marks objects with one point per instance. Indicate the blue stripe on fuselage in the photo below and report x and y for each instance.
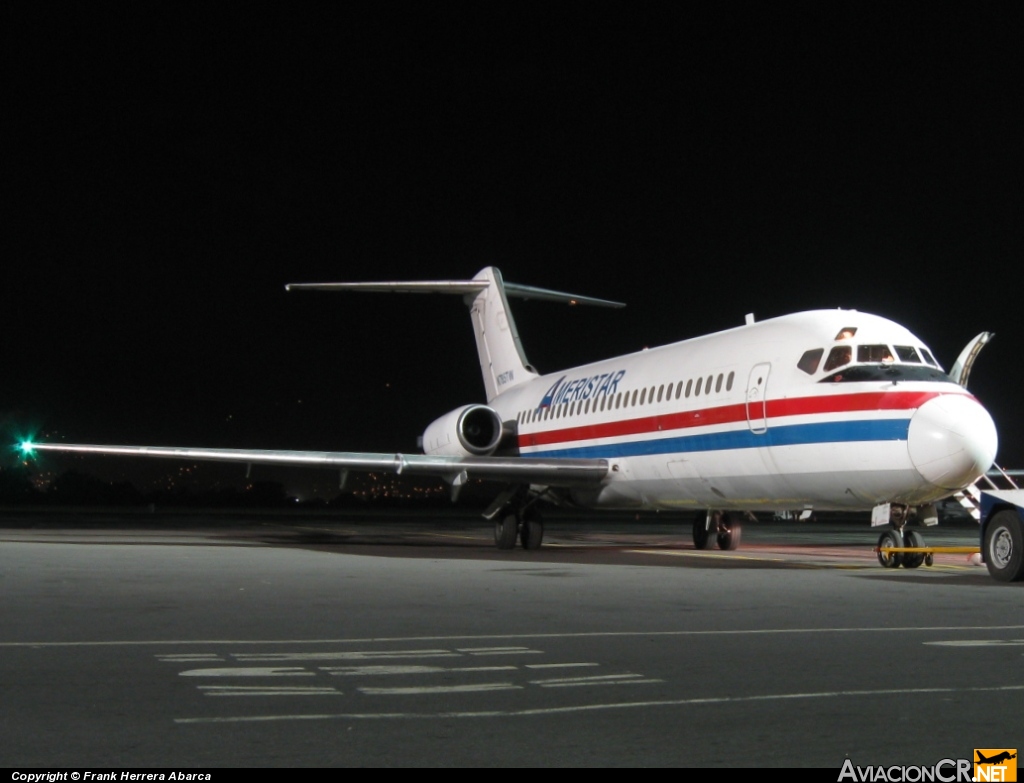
(790, 435)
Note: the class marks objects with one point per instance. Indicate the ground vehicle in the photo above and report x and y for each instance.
(1002, 533)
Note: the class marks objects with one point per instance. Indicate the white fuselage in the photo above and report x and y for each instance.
(755, 418)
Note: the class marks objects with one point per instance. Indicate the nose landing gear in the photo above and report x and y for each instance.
(898, 538)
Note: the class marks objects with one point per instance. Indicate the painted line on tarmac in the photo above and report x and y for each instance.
(869, 563)
(373, 671)
(709, 701)
(435, 689)
(980, 643)
(480, 637)
(262, 690)
(601, 679)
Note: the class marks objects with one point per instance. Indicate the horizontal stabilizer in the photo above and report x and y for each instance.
(503, 363)
(463, 287)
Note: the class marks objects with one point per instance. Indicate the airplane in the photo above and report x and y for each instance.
(825, 410)
(1004, 756)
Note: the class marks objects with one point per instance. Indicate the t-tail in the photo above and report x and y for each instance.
(503, 362)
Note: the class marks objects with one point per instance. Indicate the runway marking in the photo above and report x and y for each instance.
(358, 671)
(369, 531)
(482, 637)
(980, 643)
(250, 671)
(387, 654)
(190, 658)
(599, 707)
(699, 553)
(605, 679)
(262, 690)
(557, 665)
(497, 650)
(433, 689)
(361, 655)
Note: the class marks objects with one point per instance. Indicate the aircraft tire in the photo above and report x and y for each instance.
(702, 538)
(890, 538)
(913, 559)
(506, 531)
(532, 533)
(729, 539)
(1004, 546)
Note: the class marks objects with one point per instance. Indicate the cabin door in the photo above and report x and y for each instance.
(757, 393)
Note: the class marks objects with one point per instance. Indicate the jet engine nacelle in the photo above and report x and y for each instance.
(469, 431)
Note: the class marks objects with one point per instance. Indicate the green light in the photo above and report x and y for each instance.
(26, 448)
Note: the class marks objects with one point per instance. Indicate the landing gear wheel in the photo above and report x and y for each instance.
(890, 538)
(506, 530)
(913, 559)
(1004, 547)
(702, 538)
(729, 536)
(531, 532)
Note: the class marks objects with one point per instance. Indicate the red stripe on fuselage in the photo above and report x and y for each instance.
(729, 414)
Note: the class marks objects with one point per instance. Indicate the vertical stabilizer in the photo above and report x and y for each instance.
(502, 361)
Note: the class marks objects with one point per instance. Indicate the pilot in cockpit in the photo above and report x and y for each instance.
(838, 356)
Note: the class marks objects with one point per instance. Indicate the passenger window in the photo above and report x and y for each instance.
(906, 353)
(728, 383)
(846, 333)
(643, 396)
(618, 400)
(660, 390)
(868, 354)
(810, 360)
(707, 385)
(689, 385)
(633, 403)
(838, 356)
(718, 383)
(696, 392)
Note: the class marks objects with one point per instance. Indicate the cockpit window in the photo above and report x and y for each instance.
(906, 353)
(869, 354)
(838, 356)
(846, 333)
(810, 360)
(891, 373)
(928, 357)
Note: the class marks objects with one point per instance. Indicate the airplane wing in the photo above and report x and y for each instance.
(524, 470)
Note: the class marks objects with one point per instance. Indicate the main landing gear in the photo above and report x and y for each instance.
(898, 538)
(522, 523)
(717, 527)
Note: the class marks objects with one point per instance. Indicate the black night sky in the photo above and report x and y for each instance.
(168, 169)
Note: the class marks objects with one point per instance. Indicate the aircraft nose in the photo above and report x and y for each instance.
(952, 440)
